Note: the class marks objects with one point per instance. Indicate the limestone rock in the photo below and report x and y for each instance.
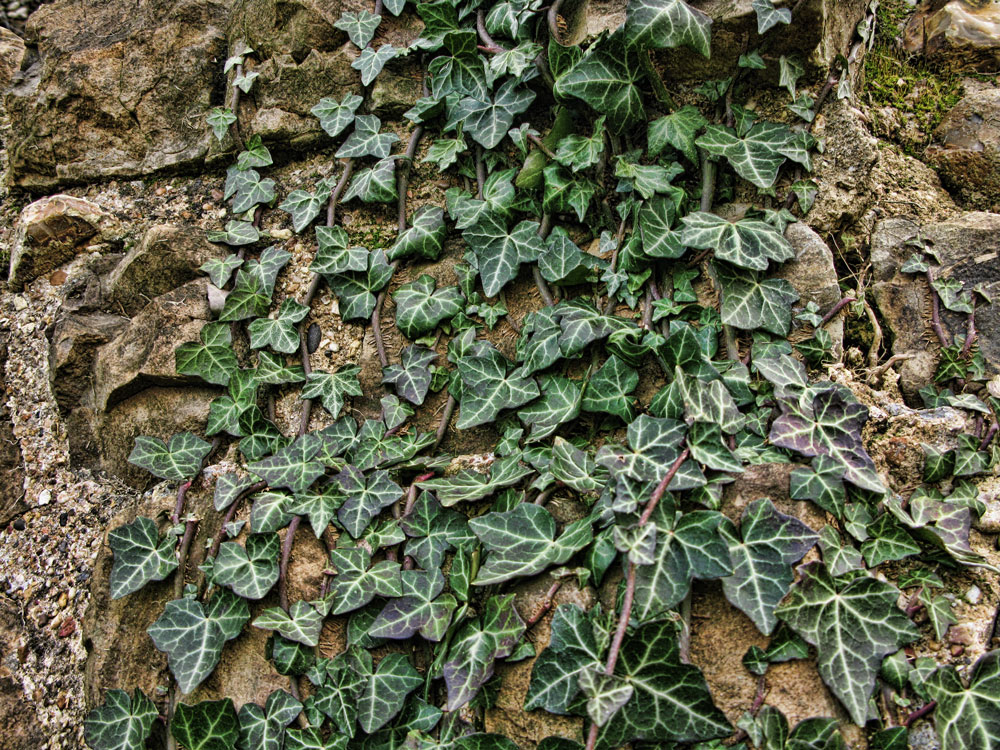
(813, 275)
(961, 34)
(167, 257)
(74, 343)
(52, 231)
(142, 355)
(118, 89)
(11, 469)
(22, 730)
(11, 55)
(969, 249)
(966, 150)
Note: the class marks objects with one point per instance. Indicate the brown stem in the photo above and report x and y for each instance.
(231, 512)
(647, 311)
(988, 437)
(403, 173)
(338, 190)
(489, 45)
(377, 322)
(540, 144)
(970, 332)
(936, 313)
(662, 487)
(546, 604)
(544, 495)
(480, 172)
(919, 713)
(449, 409)
(286, 553)
(836, 309)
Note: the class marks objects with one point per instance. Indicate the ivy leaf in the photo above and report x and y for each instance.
(304, 206)
(208, 725)
(707, 447)
(688, 546)
(279, 333)
(655, 445)
(500, 252)
(827, 420)
(311, 739)
(360, 27)
(487, 388)
(763, 551)
(462, 71)
(302, 623)
(419, 308)
(560, 403)
(213, 360)
(853, 625)
(749, 243)
(424, 237)
(139, 556)
(822, 484)
(264, 729)
(671, 700)
(337, 696)
(220, 270)
(235, 233)
(521, 542)
(607, 84)
(605, 694)
(412, 377)
(334, 116)
(477, 645)
(579, 152)
(660, 24)
(968, 717)
(678, 130)
(192, 635)
(178, 460)
(375, 184)
(468, 485)
(250, 190)
(756, 157)
(385, 691)
(366, 496)
(888, 541)
(749, 301)
(356, 584)
(790, 70)
(334, 256)
(575, 468)
(488, 120)
(366, 139)
(432, 531)
(249, 572)
(331, 387)
(609, 388)
(294, 466)
(256, 153)
(356, 289)
(370, 63)
(419, 609)
(220, 118)
(121, 722)
(769, 16)
(563, 193)
(572, 649)
(840, 559)
(272, 370)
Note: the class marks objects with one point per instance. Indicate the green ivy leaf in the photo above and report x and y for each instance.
(660, 24)
(487, 388)
(249, 572)
(366, 140)
(609, 388)
(412, 377)
(853, 625)
(331, 388)
(749, 301)
(888, 541)
(213, 360)
(356, 584)
(607, 84)
(140, 556)
(756, 157)
(968, 717)
(356, 289)
(822, 484)
(763, 551)
(192, 635)
(264, 729)
(178, 460)
(559, 403)
(375, 184)
(468, 485)
(279, 333)
(577, 152)
(360, 27)
(385, 691)
(335, 116)
(461, 71)
(294, 466)
(366, 497)
(236, 233)
(768, 16)
(487, 119)
(220, 270)
(500, 251)
(840, 559)
(419, 308)
(432, 531)
(749, 243)
(302, 623)
(220, 118)
(572, 649)
(251, 190)
(121, 722)
(208, 725)
(422, 608)
(677, 129)
(424, 237)
(305, 206)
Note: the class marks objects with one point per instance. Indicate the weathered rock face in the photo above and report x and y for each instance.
(21, 727)
(11, 471)
(52, 231)
(11, 54)
(962, 34)
(813, 275)
(966, 150)
(115, 89)
(969, 249)
(74, 343)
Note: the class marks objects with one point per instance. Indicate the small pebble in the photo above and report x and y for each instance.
(19, 524)
(312, 338)
(973, 595)
(957, 650)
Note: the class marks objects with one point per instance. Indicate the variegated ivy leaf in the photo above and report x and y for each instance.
(750, 301)
(445, 151)
(374, 448)
(424, 237)
(255, 155)
(522, 542)
(334, 116)
(655, 444)
(610, 387)
(768, 16)
(468, 485)
(422, 608)
(578, 152)
(192, 635)
(294, 466)
(822, 483)
(180, 459)
(385, 689)
(749, 243)
(671, 701)
(498, 197)
(279, 333)
(500, 251)
(688, 546)
(660, 24)
(319, 503)
(121, 722)
(563, 193)
(220, 270)
(707, 447)
(330, 388)
(461, 70)
(366, 139)
(826, 419)
(605, 694)
(305, 206)
(235, 233)
(375, 184)
(208, 725)
(419, 308)
(334, 255)
(251, 571)
(140, 556)
(432, 531)
(356, 584)
(249, 189)
(790, 71)
(840, 558)
(888, 540)
(394, 412)
(487, 388)
(360, 27)
(487, 119)
(605, 82)
(269, 512)
(336, 696)
(853, 624)
(477, 645)
(763, 551)
(213, 360)
(756, 157)
(245, 81)
(356, 290)
(251, 295)
(679, 130)
(272, 370)
(264, 729)
(968, 717)
(370, 63)
(573, 648)
(227, 488)
(395, 6)
(575, 468)
(939, 612)
(412, 377)
(311, 739)
(301, 623)
(220, 118)
(560, 403)
(366, 497)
